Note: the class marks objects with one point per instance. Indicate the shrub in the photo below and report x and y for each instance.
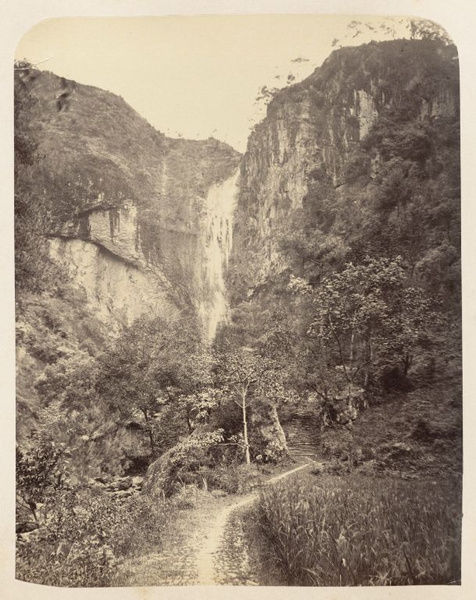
(142, 521)
(85, 536)
(232, 479)
(73, 547)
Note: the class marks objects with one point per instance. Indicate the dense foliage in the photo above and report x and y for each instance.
(362, 255)
(362, 531)
(33, 270)
(85, 535)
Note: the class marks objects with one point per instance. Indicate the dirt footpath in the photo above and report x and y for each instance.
(207, 548)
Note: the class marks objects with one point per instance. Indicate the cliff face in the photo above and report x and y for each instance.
(128, 267)
(330, 140)
(131, 215)
(144, 223)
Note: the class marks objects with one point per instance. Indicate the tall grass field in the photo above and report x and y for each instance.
(357, 530)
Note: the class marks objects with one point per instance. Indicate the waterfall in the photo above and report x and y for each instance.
(217, 240)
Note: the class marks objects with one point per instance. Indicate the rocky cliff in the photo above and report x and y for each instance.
(134, 218)
(349, 190)
(357, 153)
(329, 148)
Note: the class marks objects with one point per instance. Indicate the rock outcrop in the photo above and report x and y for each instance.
(267, 434)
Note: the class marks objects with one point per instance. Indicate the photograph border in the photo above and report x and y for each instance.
(458, 18)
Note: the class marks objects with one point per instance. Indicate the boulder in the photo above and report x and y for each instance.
(182, 461)
(159, 476)
(125, 483)
(267, 437)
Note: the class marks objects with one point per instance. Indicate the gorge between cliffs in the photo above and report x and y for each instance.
(194, 324)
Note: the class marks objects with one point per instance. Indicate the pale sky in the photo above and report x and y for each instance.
(196, 77)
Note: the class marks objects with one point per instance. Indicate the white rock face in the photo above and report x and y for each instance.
(366, 112)
(216, 243)
(103, 254)
(116, 291)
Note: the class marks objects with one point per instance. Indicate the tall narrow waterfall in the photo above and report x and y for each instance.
(217, 241)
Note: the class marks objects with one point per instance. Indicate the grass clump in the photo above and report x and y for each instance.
(356, 531)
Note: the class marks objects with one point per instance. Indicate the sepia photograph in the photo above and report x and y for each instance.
(238, 306)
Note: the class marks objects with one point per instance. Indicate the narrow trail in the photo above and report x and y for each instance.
(209, 551)
(211, 570)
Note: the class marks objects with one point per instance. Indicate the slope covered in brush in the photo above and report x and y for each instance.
(360, 158)
(92, 152)
(347, 242)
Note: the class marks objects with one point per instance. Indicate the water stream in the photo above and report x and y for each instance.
(217, 244)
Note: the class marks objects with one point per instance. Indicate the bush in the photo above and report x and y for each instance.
(78, 534)
(85, 536)
(141, 525)
(73, 548)
(232, 479)
(362, 531)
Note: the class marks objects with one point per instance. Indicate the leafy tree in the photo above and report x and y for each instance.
(152, 365)
(70, 381)
(311, 251)
(247, 377)
(409, 326)
(38, 473)
(424, 29)
(238, 374)
(365, 319)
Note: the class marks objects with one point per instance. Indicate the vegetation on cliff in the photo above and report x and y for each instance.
(80, 149)
(366, 233)
(348, 225)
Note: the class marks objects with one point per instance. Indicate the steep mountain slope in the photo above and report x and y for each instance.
(113, 221)
(360, 158)
(125, 206)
